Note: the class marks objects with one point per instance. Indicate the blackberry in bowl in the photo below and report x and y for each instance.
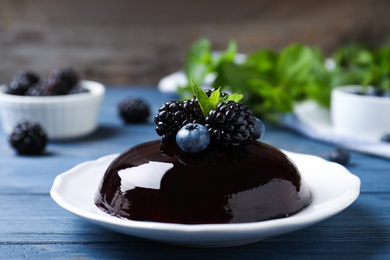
(63, 115)
(22, 82)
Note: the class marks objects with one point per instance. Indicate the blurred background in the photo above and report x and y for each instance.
(137, 42)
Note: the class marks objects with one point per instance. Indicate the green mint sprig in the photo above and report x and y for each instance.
(208, 103)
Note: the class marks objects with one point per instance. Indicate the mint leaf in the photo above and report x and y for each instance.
(199, 60)
(209, 103)
(215, 97)
(226, 56)
(273, 81)
(203, 99)
(233, 97)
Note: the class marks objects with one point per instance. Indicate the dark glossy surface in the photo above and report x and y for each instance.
(33, 226)
(254, 183)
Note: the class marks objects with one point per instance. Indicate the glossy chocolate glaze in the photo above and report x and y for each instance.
(157, 181)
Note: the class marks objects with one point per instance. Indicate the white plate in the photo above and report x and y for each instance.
(333, 189)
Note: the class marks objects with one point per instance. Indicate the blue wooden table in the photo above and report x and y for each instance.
(33, 226)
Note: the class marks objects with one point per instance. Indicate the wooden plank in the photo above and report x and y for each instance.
(42, 229)
(138, 42)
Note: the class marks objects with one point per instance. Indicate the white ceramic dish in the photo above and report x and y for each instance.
(333, 189)
(173, 81)
(363, 116)
(314, 121)
(62, 117)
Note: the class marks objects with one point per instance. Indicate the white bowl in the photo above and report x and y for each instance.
(362, 116)
(62, 117)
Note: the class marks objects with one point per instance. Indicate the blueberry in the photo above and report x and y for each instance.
(193, 138)
(385, 138)
(258, 130)
(340, 156)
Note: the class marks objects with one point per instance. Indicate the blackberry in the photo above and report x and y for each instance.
(61, 81)
(230, 124)
(173, 115)
(39, 89)
(133, 110)
(28, 138)
(21, 82)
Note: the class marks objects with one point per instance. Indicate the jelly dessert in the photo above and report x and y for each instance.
(208, 168)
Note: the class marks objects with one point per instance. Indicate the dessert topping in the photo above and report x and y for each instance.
(193, 138)
(173, 115)
(228, 122)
